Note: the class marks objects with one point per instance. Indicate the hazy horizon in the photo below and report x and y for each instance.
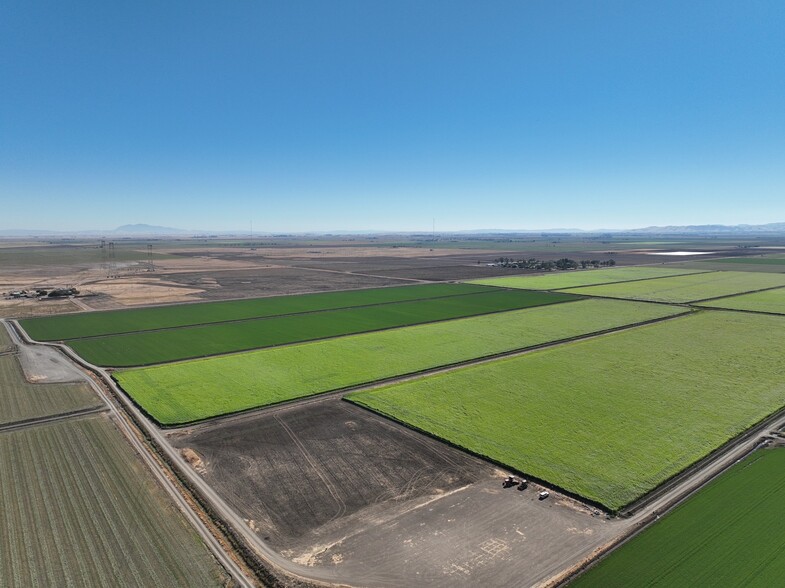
(355, 116)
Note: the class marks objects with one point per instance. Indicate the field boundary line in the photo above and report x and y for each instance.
(408, 376)
(192, 302)
(690, 273)
(141, 437)
(744, 310)
(738, 294)
(53, 418)
(649, 519)
(288, 314)
(328, 337)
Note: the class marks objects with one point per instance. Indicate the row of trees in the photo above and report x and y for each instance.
(560, 264)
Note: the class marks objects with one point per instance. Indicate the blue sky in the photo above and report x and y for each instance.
(381, 115)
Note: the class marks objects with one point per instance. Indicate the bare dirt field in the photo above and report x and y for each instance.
(336, 488)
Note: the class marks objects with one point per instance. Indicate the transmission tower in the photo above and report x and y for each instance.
(112, 264)
(104, 258)
(150, 266)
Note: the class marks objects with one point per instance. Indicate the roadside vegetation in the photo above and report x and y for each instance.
(729, 534)
(690, 288)
(153, 347)
(583, 278)
(20, 400)
(609, 418)
(78, 509)
(195, 390)
(76, 326)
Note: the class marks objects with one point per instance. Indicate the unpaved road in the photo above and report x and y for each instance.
(32, 350)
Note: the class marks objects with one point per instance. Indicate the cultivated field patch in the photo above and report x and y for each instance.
(20, 400)
(571, 279)
(729, 534)
(78, 508)
(319, 467)
(689, 288)
(766, 301)
(189, 391)
(609, 418)
(152, 347)
(5, 340)
(111, 322)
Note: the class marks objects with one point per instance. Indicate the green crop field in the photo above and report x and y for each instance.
(77, 508)
(49, 255)
(189, 342)
(570, 279)
(20, 400)
(778, 260)
(729, 534)
(92, 324)
(690, 288)
(184, 392)
(612, 417)
(766, 301)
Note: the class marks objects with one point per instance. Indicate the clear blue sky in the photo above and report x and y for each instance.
(384, 114)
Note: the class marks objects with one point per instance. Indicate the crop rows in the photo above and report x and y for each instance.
(687, 288)
(609, 418)
(189, 342)
(5, 340)
(78, 509)
(729, 534)
(20, 400)
(201, 389)
(571, 279)
(112, 322)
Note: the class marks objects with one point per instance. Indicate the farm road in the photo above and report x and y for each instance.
(121, 420)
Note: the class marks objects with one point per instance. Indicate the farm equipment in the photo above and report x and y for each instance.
(523, 485)
(509, 481)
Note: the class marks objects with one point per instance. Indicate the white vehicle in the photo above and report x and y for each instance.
(543, 494)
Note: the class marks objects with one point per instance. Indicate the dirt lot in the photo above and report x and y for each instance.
(336, 488)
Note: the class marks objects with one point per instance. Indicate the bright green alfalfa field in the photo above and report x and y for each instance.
(612, 417)
(133, 320)
(572, 279)
(767, 301)
(689, 288)
(151, 347)
(195, 390)
(729, 534)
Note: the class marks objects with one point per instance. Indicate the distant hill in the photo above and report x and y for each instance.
(714, 229)
(142, 229)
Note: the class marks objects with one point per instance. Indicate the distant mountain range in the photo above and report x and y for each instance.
(138, 230)
(715, 229)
